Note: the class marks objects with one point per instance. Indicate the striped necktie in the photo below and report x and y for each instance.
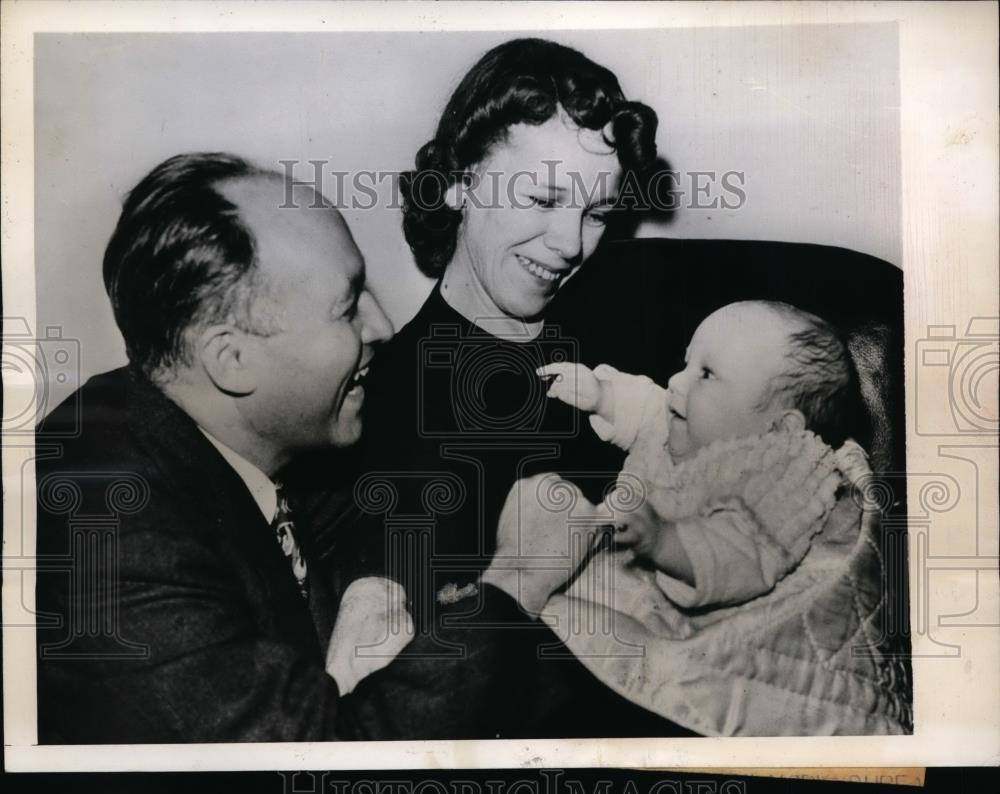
(284, 531)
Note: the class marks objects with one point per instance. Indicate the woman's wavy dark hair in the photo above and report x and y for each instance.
(521, 81)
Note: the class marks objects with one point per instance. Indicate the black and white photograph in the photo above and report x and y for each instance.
(536, 384)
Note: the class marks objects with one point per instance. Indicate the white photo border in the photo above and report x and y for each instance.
(949, 124)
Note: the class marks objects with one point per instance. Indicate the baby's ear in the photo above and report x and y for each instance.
(791, 421)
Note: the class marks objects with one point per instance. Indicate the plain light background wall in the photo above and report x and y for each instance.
(810, 115)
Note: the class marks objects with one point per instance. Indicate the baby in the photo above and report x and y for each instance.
(745, 595)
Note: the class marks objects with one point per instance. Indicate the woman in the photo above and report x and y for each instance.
(507, 201)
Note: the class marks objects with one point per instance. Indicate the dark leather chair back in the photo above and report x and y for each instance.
(636, 304)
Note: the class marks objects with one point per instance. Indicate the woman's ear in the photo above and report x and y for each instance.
(221, 349)
(455, 195)
(791, 421)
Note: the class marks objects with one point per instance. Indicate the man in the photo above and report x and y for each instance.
(178, 598)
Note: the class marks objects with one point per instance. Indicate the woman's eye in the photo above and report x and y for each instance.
(596, 218)
(706, 373)
(542, 202)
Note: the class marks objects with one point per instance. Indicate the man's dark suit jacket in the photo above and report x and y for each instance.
(167, 611)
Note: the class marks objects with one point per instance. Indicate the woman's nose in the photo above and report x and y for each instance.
(375, 326)
(564, 235)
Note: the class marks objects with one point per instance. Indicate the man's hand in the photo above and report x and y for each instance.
(373, 626)
(546, 529)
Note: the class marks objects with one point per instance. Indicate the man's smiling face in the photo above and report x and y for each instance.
(312, 283)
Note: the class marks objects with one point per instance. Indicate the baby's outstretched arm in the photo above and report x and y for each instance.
(577, 385)
(621, 405)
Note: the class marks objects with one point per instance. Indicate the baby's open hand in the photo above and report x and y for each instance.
(573, 383)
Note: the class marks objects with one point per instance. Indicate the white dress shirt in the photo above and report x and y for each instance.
(372, 614)
(261, 487)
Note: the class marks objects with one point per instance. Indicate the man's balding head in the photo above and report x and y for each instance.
(250, 312)
(185, 254)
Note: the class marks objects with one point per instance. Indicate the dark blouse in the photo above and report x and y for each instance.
(453, 417)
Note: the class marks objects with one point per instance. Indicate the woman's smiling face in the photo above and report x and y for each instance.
(536, 211)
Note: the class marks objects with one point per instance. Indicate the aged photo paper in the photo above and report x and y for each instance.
(897, 776)
(832, 139)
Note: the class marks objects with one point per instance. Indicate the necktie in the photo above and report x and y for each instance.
(284, 531)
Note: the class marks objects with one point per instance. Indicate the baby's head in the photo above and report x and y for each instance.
(755, 366)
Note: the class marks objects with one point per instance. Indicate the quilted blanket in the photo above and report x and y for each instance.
(808, 657)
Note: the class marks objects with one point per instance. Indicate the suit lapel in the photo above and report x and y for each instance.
(192, 465)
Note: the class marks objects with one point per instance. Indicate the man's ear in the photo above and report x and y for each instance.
(791, 421)
(222, 352)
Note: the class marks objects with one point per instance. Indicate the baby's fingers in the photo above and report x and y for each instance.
(562, 385)
(626, 535)
(557, 370)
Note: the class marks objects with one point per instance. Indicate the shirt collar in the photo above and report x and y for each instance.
(261, 487)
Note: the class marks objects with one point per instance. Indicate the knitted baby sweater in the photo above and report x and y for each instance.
(781, 633)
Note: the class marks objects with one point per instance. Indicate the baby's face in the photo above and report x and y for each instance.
(730, 362)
